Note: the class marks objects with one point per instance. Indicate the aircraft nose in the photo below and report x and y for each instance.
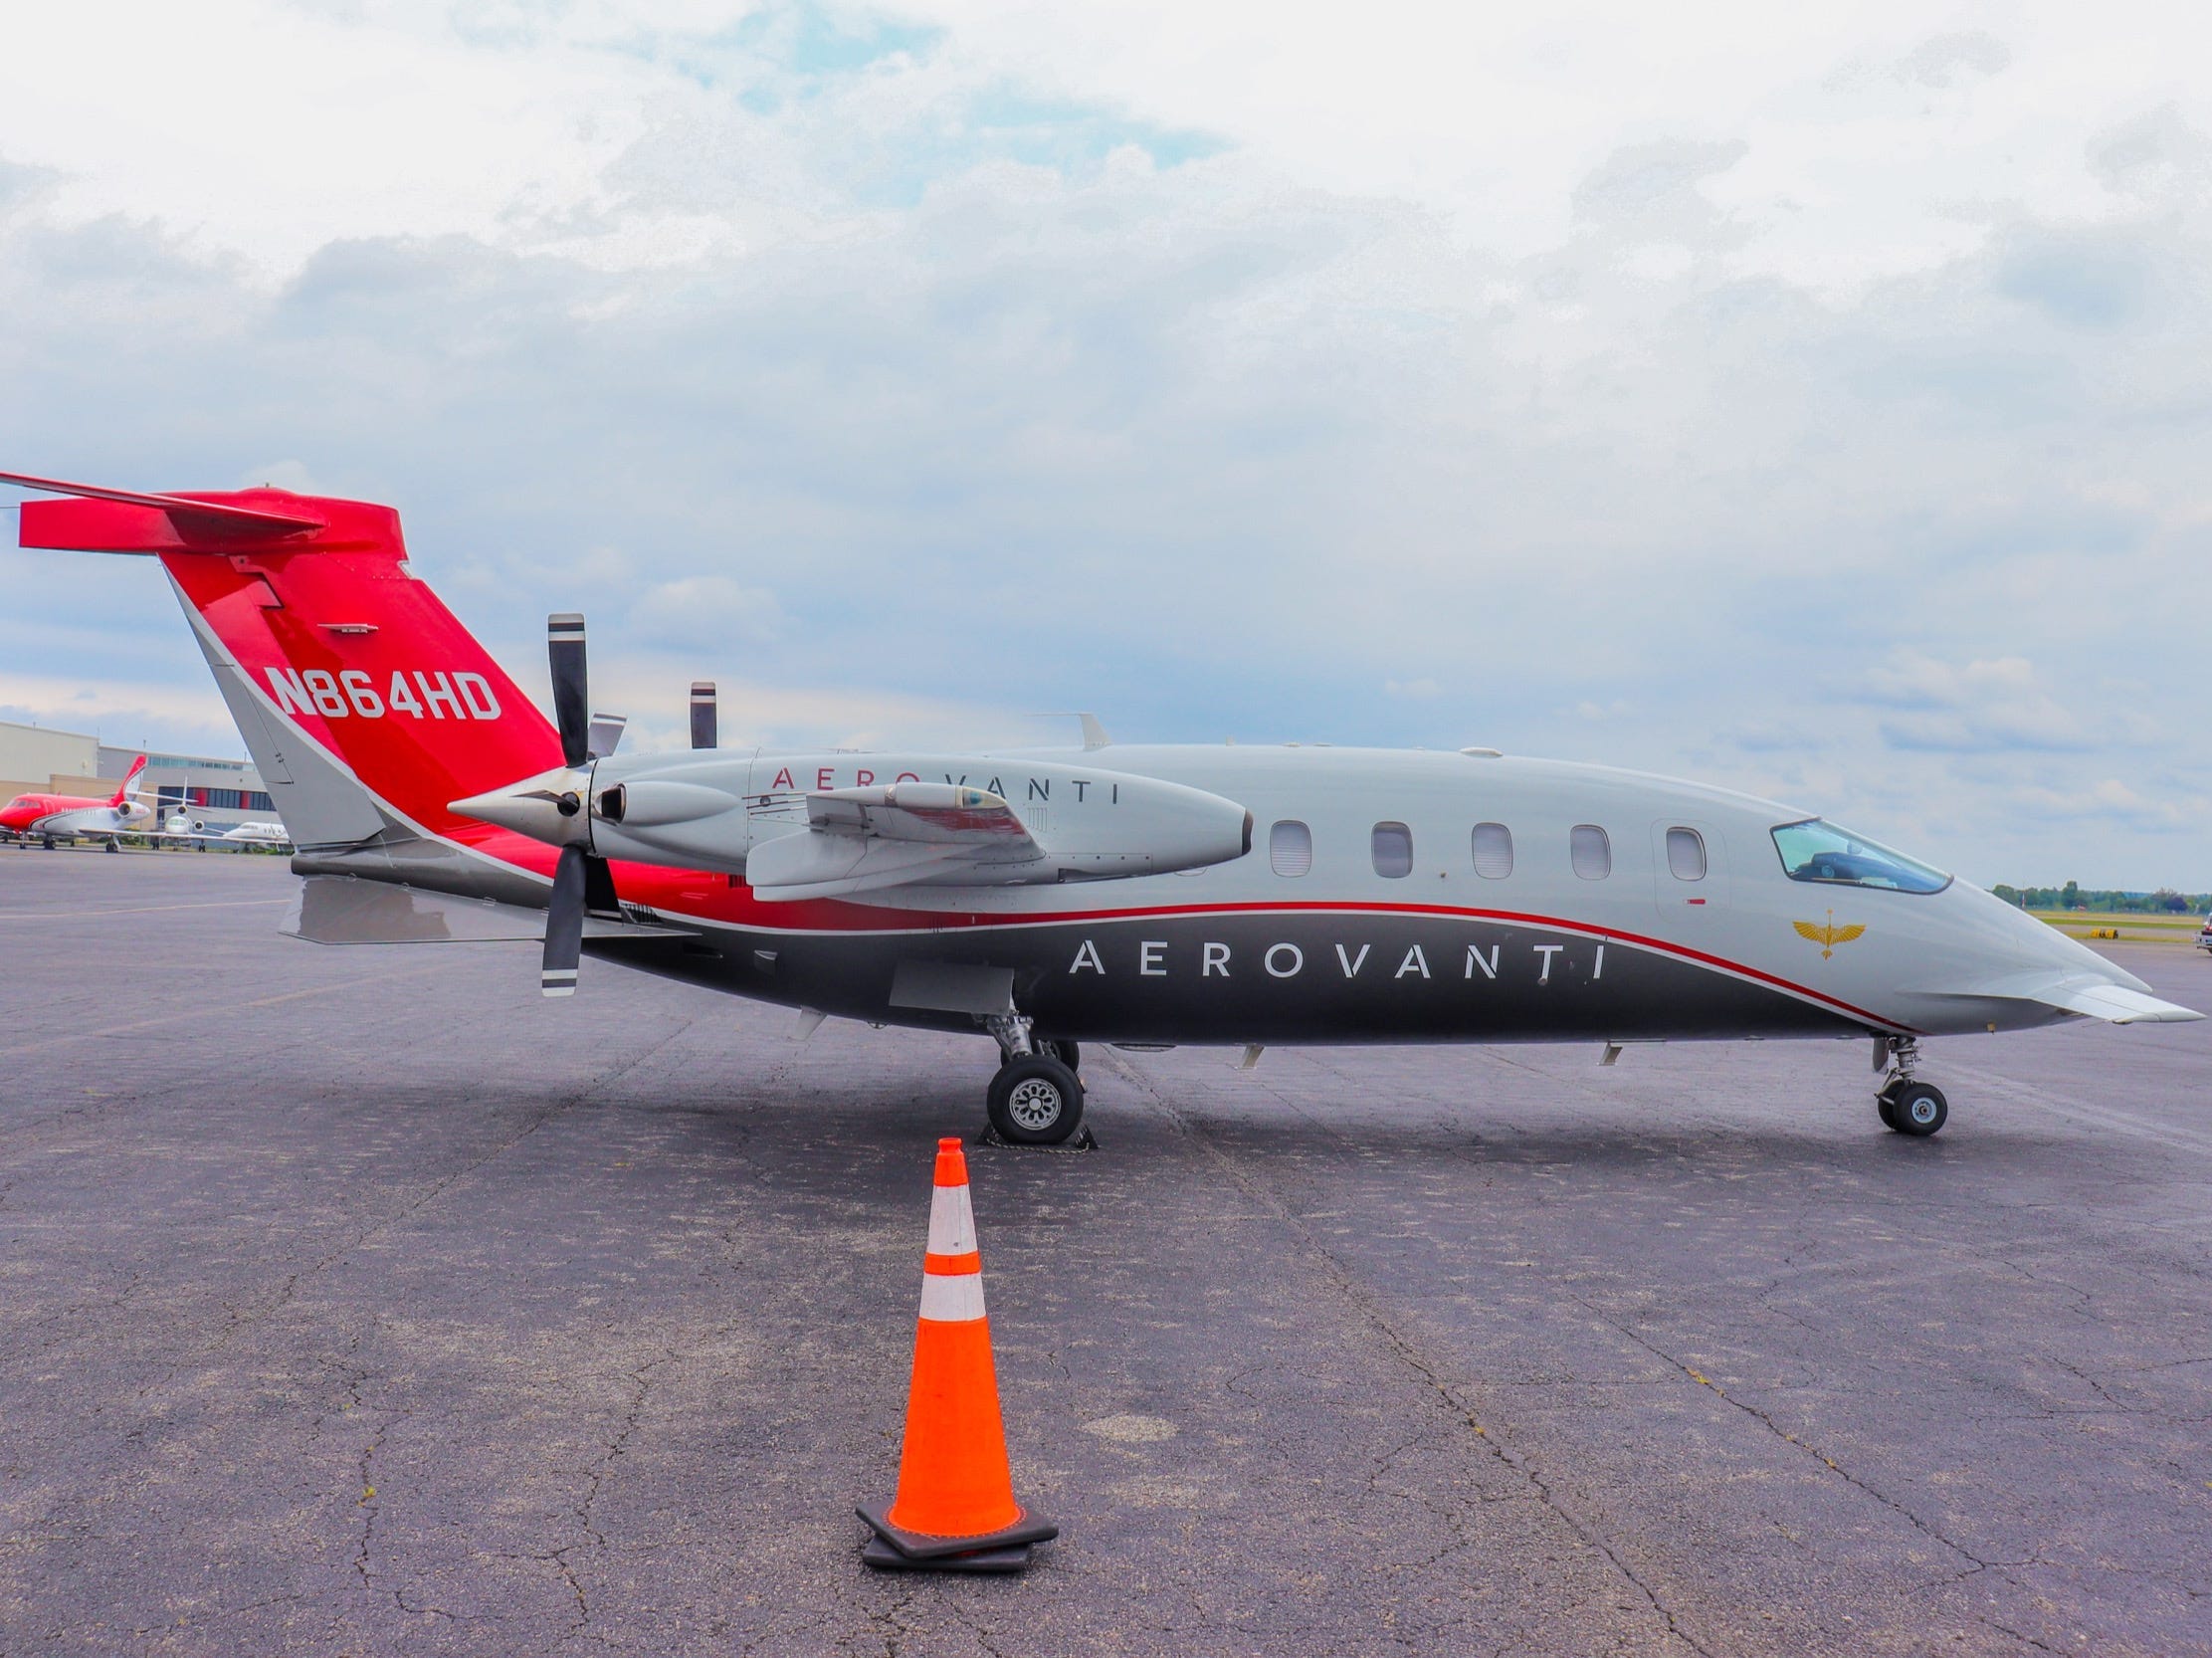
(2050, 948)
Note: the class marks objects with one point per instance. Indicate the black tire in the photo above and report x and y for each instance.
(1034, 1101)
(1068, 1053)
(1885, 1102)
(1919, 1109)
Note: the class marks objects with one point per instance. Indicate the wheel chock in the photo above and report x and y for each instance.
(1082, 1140)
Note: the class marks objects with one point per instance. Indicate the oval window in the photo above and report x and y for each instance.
(1685, 854)
(1591, 851)
(1290, 848)
(1494, 851)
(1392, 847)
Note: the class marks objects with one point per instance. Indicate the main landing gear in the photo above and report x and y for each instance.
(1908, 1104)
(1036, 1099)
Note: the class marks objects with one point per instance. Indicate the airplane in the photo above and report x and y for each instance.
(72, 817)
(183, 826)
(1143, 896)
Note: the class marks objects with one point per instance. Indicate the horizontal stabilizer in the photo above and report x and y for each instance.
(190, 519)
(346, 910)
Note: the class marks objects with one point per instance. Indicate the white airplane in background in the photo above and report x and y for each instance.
(1136, 894)
(181, 825)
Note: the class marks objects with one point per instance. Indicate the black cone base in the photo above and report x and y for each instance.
(922, 1548)
(879, 1555)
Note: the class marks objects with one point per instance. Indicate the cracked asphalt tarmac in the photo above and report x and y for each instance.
(358, 1301)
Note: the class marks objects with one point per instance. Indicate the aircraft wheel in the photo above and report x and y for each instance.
(112, 847)
(1919, 1109)
(1068, 1053)
(1034, 1101)
(49, 843)
(1885, 1102)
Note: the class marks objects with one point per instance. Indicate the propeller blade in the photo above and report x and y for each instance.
(565, 650)
(704, 733)
(565, 925)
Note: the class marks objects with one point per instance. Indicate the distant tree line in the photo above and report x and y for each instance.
(2074, 896)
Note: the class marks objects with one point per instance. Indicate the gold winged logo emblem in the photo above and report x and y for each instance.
(1828, 936)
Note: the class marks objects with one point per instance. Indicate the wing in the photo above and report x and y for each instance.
(1844, 935)
(934, 815)
(895, 835)
(1811, 930)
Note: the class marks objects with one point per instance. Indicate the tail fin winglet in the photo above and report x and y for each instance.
(130, 778)
(100, 519)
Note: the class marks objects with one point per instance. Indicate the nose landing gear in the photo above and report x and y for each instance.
(1907, 1105)
(1036, 1099)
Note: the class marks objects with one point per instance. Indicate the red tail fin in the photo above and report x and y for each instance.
(131, 776)
(329, 649)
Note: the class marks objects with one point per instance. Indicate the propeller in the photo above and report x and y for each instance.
(704, 735)
(575, 881)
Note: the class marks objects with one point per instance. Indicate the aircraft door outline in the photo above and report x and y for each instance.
(1677, 893)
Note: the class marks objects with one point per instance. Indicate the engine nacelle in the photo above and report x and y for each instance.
(994, 821)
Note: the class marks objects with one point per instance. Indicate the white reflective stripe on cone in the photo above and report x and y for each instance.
(952, 1297)
(951, 1222)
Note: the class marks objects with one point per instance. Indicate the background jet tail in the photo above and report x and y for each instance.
(129, 784)
(363, 702)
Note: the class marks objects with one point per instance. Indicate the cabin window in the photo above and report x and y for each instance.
(1818, 850)
(1392, 847)
(1290, 848)
(1591, 851)
(1685, 854)
(1494, 851)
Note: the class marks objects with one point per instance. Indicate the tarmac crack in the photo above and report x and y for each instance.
(245, 1318)
(886, 1620)
(370, 1503)
(596, 1478)
(2040, 1646)
(1409, 1354)
(1766, 1421)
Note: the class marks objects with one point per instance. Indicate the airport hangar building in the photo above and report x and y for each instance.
(41, 760)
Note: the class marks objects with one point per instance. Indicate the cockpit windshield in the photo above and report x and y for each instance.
(1815, 850)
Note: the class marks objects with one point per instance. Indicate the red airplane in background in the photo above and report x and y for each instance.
(51, 817)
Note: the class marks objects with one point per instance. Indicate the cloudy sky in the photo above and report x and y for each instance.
(1815, 403)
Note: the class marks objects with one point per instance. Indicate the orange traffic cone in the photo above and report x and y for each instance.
(956, 1508)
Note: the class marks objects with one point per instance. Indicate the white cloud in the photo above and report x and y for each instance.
(704, 613)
